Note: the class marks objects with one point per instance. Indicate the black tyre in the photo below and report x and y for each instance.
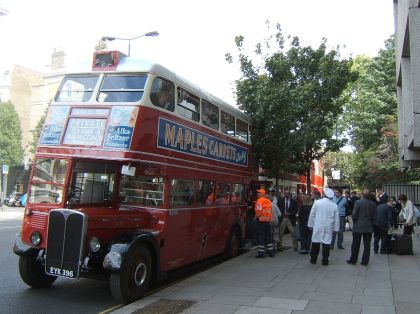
(234, 243)
(32, 272)
(132, 281)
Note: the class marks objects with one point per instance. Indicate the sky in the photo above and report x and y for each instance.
(194, 35)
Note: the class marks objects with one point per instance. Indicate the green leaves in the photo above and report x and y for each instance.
(11, 152)
(293, 100)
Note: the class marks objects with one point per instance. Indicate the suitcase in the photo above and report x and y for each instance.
(403, 244)
(390, 243)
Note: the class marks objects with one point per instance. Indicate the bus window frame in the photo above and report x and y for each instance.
(144, 198)
(154, 94)
(223, 123)
(239, 135)
(184, 106)
(206, 103)
(109, 94)
(192, 203)
(90, 92)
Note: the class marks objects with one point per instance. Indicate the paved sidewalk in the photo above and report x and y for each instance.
(288, 283)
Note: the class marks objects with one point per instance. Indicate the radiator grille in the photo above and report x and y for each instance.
(66, 231)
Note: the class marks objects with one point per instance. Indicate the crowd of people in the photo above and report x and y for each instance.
(319, 221)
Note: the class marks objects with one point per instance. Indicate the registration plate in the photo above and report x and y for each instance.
(61, 272)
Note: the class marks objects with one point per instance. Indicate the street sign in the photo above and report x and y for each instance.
(5, 169)
(336, 174)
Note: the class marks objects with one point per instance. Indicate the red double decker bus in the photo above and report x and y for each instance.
(137, 172)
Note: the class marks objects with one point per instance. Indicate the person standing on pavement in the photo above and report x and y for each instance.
(323, 220)
(341, 202)
(288, 208)
(381, 224)
(303, 217)
(396, 209)
(364, 212)
(263, 217)
(407, 215)
(276, 214)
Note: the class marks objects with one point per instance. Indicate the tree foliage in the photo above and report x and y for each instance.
(343, 161)
(370, 117)
(293, 99)
(11, 152)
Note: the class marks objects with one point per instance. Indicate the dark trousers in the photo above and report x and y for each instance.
(305, 238)
(315, 251)
(355, 247)
(339, 234)
(395, 220)
(379, 234)
(264, 237)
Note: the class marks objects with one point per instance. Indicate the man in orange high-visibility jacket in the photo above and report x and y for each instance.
(263, 216)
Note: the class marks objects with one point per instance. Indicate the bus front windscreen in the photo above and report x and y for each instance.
(48, 180)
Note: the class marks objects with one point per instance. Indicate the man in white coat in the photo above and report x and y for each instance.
(324, 219)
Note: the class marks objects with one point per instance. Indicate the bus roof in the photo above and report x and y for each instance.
(135, 65)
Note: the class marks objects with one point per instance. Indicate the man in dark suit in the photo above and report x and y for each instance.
(288, 208)
(364, 212)
(381, 224)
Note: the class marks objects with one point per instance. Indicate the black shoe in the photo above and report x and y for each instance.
(325, 263)
(341, 247)
(376, 252)
(312, 262)
(363, 264)
(271, 255)
(350, 262)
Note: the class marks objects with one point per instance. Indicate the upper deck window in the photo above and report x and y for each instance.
(122, 88)
(210, 115)
(242, 130)
(227, 123)
(162, 94)
(188, 105)
(76, 88)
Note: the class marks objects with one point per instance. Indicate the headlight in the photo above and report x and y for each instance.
(36, 238)
(94, 245)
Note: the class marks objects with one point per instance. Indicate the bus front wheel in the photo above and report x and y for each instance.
(32, 272)
(132, 281)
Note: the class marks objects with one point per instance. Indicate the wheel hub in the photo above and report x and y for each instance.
(140, 274)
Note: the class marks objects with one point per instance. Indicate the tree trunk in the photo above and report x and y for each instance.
(308, 181)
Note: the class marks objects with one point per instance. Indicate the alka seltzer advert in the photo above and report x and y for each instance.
(177, 137)
(120, 127)
(54, 125)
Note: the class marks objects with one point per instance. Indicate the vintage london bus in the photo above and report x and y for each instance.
(137, 172)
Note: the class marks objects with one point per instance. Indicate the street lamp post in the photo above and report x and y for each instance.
(149, 34)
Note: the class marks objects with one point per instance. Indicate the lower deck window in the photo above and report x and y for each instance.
(142, 190)
(92, 182)
(182, 192)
